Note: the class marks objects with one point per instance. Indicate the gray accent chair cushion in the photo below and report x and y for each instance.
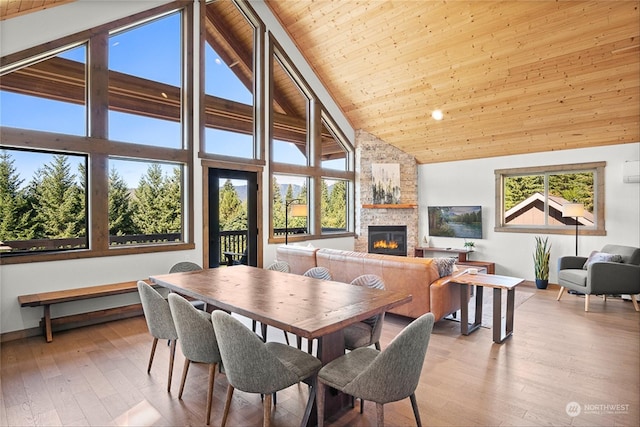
(280, 266)
(367, 332)
(184, 266)
(318, 273)
(160, 323)
(381, 376)
(257, 367)
(602, 278)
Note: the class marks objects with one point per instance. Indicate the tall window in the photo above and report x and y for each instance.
(532, 199)
(305, 145)
(146, 58)
(125, 141)
(229, 82)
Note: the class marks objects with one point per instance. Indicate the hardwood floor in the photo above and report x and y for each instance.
(558, 354)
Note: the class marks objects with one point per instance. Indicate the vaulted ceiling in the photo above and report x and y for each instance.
(511, 77)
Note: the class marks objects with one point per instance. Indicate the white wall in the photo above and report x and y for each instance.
(472, 182)
(17, 34)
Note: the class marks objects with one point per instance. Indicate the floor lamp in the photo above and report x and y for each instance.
(573, 210)
(297, 210)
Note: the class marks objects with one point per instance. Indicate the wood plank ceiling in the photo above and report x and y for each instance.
(511, 77)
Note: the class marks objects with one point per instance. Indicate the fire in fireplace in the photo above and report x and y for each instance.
(388, 239)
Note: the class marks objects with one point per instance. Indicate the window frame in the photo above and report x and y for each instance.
(313, 171)
(98, 147)
(597, 168)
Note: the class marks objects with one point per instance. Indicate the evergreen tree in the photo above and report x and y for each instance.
(296, 221)
(573, 187)
(325, 209)
(233, 213)
(82, 185)
(172, 196)
(157, 207)
(278, 205)
(58, 200)
(337, 208)
(517, 189)
(120, 207)
(14, 211)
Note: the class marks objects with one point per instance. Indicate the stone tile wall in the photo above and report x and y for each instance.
(369, 150)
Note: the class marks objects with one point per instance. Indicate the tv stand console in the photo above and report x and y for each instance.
(462, 253)
(462, 257)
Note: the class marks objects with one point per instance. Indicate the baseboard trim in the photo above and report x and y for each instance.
(77, 321)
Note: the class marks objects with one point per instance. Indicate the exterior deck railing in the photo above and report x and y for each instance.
(230, 241)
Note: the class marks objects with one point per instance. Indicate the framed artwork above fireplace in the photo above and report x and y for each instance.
(385, 183)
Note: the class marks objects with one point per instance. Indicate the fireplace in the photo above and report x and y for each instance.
(388, 239)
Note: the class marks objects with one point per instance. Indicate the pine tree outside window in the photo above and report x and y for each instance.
(127, 138)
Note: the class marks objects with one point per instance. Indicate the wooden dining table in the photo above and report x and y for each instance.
(304, 306)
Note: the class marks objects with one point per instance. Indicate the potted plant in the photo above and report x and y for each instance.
(469, 245)
(541, 262)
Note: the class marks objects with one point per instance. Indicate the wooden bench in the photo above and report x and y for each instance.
(46, 299)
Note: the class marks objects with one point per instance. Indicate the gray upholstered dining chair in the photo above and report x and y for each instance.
(186, 266)
(368, 331)
(160, 323)
(322, 273)
(381, 376)
(197, 341)
(254, 366)
(282, 267)
(613, 270)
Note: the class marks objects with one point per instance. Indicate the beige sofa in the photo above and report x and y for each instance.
(416, 276)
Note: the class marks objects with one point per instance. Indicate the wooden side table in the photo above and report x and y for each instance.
(498, 283)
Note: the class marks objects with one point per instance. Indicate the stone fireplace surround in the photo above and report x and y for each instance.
(369, 150)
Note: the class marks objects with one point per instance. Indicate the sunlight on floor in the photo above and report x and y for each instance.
(143, 414)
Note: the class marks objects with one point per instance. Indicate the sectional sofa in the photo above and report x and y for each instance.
(419, 277)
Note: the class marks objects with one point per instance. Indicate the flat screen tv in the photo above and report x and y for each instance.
(455, 221)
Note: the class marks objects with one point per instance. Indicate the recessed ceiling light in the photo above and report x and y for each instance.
(437, 114)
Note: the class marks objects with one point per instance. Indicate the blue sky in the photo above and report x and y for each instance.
(151, 51)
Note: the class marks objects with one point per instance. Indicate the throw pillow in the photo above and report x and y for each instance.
(601, 257)
(445, 265)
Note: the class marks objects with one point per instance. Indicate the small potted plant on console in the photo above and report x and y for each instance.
(469, 245)
(541, 262)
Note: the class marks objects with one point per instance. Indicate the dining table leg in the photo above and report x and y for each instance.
(330, 347)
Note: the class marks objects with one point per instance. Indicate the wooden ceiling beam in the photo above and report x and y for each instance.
(63, 80)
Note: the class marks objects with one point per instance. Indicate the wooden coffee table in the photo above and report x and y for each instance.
(498, 283)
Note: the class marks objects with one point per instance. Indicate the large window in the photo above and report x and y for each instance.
(43, 203)
(120, 132)
(533, 199)
(310, 161)
(229, 124)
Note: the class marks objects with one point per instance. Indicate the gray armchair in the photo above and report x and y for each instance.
(602, 278)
